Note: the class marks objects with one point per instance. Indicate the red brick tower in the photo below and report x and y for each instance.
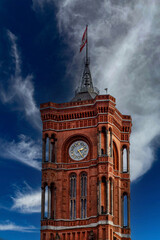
(85, 167)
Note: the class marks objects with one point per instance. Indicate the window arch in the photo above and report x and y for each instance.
(110, 142)
(115, 157)
(103, 141)
(125, 159)
(111, 196)
(73, 196)
(83, 195)
(49, 148)
(103, 195)
(48, 198)
(53, 201)
(125, 210)
(125, 220)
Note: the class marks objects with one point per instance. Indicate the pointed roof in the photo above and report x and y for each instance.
(86, 90)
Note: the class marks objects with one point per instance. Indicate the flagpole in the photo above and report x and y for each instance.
(87, 44)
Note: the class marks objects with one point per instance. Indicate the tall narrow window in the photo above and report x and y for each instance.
(103, 196)
(53, 201)
(46, 203)
(103, 141)
(47, 149)
(110, 143)
(73, 196)
(111, 195)
(125, 210)
(83, 195)
(115, 157)
(51, 236)
(124, 160)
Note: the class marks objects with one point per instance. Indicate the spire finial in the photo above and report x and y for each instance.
(87, 59)
(86, 89)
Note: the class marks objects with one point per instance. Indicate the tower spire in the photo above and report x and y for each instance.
(87, 43)
(86, 89)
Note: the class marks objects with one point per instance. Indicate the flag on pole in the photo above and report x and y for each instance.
(84, 39)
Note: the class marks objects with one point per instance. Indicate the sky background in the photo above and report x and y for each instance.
(40, 62)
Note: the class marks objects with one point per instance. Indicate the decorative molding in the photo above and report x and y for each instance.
(102, 222)
(80, 105)
(123, 235)
(71, 129)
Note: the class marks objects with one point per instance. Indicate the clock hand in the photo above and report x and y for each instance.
(79, 150)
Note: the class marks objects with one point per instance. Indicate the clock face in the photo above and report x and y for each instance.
(78, 150)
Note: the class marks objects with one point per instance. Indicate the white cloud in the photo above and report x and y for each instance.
(21, 89)
(25, 151)
(9, 226)
(27, 200)
(125, 57)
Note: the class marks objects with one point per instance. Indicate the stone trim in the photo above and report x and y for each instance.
(84, 118)
(80, 105)
(123, 235)
(94, 126)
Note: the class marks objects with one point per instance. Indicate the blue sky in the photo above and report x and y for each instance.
(40, 62)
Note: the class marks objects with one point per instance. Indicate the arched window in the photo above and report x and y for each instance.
(51, 236)
(46, 202)
(73, 196)
(103, 141)
(83, 195)
(47, 149)
(53, 201)
(103, 195)
(124, 159)
(110, 142)
(115, 157)
(111, 196)
(52, 148)
(125, 210)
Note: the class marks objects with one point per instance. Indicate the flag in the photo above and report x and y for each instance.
(84, 39)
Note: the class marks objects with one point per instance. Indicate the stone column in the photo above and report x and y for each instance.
(55, 203)
(107, 196)
(49, 151)
(128, 211)
(55, 150)
(99, 143)
(43, 150)
(121, 159)
(107, 142)
(42, 202)
(99, 197)
(128, 160)
(112, 197)
(49, 202)
(111, 149)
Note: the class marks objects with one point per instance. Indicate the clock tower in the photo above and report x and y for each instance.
(85, 167)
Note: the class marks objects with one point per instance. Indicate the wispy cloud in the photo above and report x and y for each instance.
(25, 151)
(10, 226)
(124, 49)
(27, 200)
(21, 89)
